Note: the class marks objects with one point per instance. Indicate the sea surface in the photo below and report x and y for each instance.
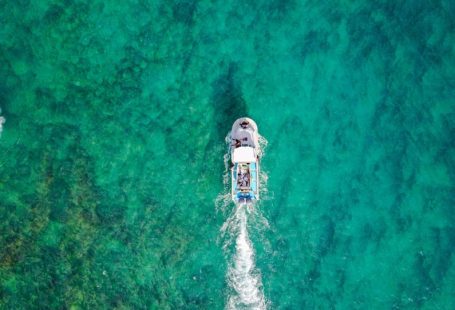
(113, 156)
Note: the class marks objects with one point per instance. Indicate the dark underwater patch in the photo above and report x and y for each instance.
(228, 102)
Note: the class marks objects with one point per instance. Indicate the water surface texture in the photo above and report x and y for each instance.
(113, 123)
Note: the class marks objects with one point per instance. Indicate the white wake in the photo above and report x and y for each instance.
(243, 277)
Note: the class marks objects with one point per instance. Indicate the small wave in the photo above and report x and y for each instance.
(263, 143)
(227, 158)
(222, 202)
(2, 121)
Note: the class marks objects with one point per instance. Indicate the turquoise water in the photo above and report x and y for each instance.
(111, 154)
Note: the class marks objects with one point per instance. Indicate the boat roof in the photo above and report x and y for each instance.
(244, 154)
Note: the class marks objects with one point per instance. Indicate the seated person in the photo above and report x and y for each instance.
(244, 180)
(236, 143)
(244, 124)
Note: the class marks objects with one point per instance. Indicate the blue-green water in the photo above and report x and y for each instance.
(111, 154)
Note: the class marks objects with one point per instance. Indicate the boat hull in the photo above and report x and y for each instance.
(245, 160)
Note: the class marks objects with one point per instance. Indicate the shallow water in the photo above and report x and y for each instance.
(111, 153)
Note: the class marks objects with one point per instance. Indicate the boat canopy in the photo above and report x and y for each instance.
(244, 154)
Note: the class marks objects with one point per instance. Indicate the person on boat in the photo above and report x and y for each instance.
(244, 180)
(236, 142)
(244, 124)
(242, 177)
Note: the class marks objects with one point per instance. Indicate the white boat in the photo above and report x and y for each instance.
(245, 154)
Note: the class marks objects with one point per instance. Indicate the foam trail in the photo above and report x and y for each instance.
(243, 277)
